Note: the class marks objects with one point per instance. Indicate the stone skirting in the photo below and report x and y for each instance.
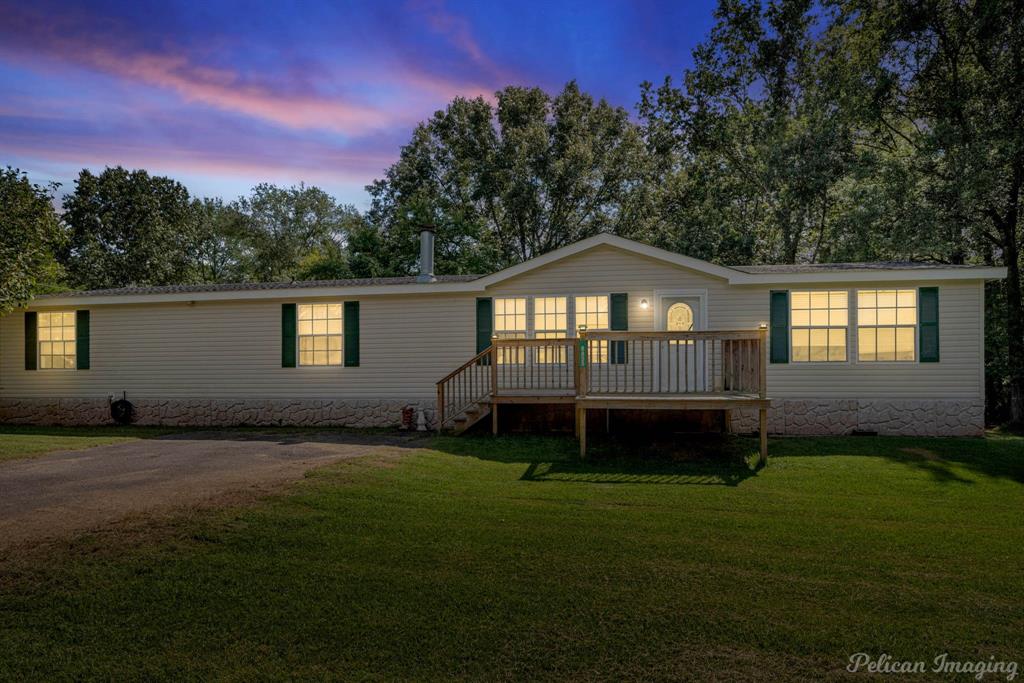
(787, 416)
(812, 417)
(216, 412)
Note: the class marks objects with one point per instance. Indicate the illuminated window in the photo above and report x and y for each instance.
(550, 321)
(320, 334)
(592, 311)
(818, 322)
(510, 323)
(886, 324)
(56, 332)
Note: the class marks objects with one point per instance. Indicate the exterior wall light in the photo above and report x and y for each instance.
(644, 305)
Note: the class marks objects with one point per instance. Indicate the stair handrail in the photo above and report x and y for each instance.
(442, 418)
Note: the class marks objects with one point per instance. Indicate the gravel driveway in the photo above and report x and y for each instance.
(61, 493)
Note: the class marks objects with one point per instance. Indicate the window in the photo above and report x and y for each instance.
(510, 323)
(57, 340)
(320, 334)
(550, 321)
(819, 321)
(592, 311)
(886, 324)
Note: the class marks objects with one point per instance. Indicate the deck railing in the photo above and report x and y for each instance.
(599, 363)
(674, 363)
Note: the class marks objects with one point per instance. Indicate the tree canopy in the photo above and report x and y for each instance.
(804, 131)
(31, 232)
(506, 182)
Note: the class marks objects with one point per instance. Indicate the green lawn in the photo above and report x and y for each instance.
(18, 441)
(510, 559)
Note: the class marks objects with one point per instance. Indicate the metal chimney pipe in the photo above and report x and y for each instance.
(426, 254)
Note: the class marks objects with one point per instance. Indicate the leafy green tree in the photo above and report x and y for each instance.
(281, 227)
(365, 251)
(220, 245)
(753, 146)
(503, 183)
(940, 83)
(128, 228)
(328, 262)
(29, 232)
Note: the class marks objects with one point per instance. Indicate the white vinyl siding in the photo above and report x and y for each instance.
(213, 350)
(959, 375)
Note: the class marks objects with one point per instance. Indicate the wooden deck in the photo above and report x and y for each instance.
(702, 370)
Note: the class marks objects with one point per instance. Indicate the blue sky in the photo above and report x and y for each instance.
(224, 95)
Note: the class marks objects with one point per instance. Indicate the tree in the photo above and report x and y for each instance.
(220, 245)
(366, 254)
(941, 82)
(281, 227)
(31, 230)
(128, 228)
(755, 145)
(504, 183)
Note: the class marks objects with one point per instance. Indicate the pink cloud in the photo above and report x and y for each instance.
(409, 93)
(458, 31)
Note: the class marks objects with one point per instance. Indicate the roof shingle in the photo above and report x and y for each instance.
(261, 286)
(826, 267)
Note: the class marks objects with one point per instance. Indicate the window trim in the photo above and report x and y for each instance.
(40, 342)
(298, 336)
(848, 327)
(917, 326)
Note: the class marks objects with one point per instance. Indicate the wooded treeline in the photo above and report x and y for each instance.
(804, 132)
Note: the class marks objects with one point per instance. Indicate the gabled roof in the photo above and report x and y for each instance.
(734, 275)
(605, 239)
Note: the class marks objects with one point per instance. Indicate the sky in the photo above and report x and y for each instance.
(224, 95)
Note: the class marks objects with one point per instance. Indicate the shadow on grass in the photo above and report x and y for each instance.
(944, 459)
(704, 460)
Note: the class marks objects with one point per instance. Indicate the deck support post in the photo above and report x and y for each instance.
(762, 418)
(583, 431)
(762, 387)
(494, 418)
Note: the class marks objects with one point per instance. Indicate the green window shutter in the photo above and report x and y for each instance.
(288, 314)
(82, 337)
(484, 323)
(31, 335)
(351, 334)
(928, 319)
(778, 326)
(619, 320)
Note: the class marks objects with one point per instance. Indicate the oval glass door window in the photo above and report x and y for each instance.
(680, 318)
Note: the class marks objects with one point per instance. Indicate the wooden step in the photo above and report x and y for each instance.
(470, 417)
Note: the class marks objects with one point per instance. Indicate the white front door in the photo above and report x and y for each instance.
(681, 363)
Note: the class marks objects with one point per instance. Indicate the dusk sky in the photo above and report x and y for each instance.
(224, 95)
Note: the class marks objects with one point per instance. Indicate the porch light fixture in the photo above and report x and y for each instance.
(643, 304)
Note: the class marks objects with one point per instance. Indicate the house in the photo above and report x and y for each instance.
(894, 348)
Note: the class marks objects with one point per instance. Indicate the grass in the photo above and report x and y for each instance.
(510, 559)
(23, 441)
